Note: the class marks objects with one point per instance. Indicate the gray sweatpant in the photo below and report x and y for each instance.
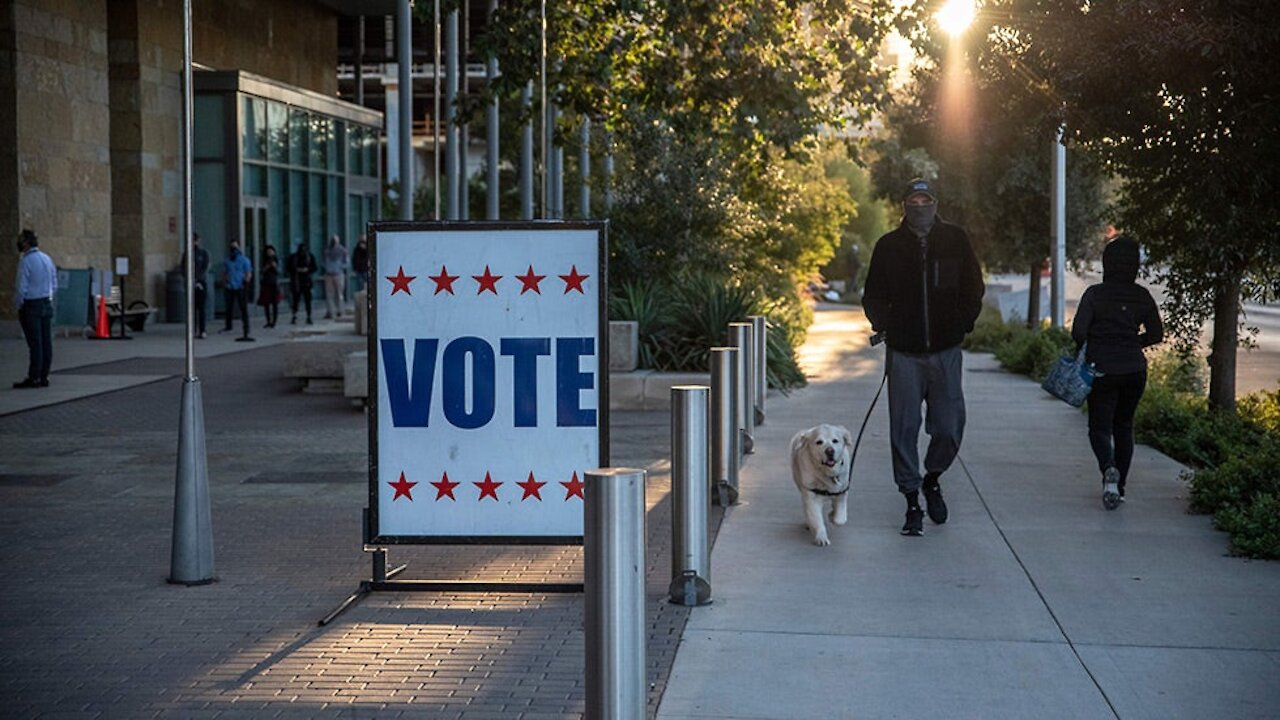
(934, 379)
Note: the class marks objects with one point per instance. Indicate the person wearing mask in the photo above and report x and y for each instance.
(360, 263)
(300, 266)
(923, 292)
(269, 294)
(36, 284)
(200, 283)
(335, 277)
(238, 273)
(1117, 318)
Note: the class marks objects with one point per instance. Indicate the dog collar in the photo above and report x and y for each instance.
(828, 493)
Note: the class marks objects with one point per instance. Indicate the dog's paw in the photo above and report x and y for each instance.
(839, 518)
(821, 540)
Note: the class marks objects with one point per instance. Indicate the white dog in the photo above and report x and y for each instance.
(820, 462)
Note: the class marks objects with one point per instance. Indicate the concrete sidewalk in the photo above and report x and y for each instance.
(1032, 601)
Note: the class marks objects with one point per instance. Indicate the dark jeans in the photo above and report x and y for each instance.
(236, 299)
(36, 318)
(1112, 403)
(298, 292)
(199, 308)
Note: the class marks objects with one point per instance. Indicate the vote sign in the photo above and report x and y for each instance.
(488, 357)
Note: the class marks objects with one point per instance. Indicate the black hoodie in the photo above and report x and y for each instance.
(924, 294)
(1118, 317)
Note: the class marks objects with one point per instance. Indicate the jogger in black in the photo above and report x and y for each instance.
(1117, 318)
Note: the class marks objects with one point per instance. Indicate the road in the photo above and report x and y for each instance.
(1258, 368)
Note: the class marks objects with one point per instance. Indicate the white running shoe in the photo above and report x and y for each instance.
(1111, 488)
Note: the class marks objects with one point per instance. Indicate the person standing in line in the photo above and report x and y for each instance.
(1117, 318)
(924, 292)
(360, 263)
(200, 282)
(300, 266)
(335, 277)
(238, 272)
(36, 284)
(269, 294)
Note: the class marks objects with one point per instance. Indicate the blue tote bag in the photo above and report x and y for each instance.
(1071, 379)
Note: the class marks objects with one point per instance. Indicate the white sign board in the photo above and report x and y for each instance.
(122, 265)
(488, 380)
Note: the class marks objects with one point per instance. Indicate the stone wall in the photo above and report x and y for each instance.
(90, 160)
(60, 133)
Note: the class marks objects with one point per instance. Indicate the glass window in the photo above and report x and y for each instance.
(255, 129)
(319, 142)
(298, 132)
(208, 216)
(338, 147)
(255, 180)
(208, 129)
(355, 151)
(336, 208)
(370, 152)
(297, 207)
(278, 193)
(317, 223)
(355, 223)
(277, 132)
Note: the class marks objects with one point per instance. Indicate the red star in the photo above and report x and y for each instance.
(531, 488)
(402, 488)
(530, 281)
(488, 281)
(400, 281)
(574, 487)
(573, 281)
(443, 281)
(444, 487)
(488, 487)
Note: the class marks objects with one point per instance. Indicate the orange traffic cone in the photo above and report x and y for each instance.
(102, 330)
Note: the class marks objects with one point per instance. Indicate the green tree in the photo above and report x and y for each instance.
(1181, 102)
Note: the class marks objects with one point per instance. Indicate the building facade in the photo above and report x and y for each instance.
(90, 131)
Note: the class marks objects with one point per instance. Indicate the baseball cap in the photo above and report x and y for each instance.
(919, 185)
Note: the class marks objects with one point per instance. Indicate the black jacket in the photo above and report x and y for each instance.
(300, 268)
(923, 294)
(1118, 317)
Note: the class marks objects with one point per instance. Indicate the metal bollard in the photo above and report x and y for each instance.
(725, 438)
(613, 554)
(760, 338)
(690, 467)
(740, 337)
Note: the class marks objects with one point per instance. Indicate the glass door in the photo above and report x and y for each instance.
(254, 231)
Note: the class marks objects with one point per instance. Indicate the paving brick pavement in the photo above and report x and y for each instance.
(89, 628)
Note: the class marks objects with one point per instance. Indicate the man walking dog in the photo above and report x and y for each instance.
(924, 292)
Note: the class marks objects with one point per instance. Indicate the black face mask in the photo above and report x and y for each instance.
(920, 218)
(235, 252)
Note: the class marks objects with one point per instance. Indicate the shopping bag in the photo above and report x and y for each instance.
(1071, 379)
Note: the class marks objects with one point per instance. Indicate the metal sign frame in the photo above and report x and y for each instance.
(372, 537)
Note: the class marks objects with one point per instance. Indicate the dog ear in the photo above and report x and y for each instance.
(848, 440)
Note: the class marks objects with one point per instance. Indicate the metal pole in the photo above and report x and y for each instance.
(435, 109)
(760, 337)
(725, 440)
(1059, 219)
(542, 80)
(526, 154)
(690, 486)
(491, 207)
(451, 171)
(464, 132)
(608, 171)
(740, 337)
(404, 47)
(549, 163)
(584, 169)
(557, 163)
(191, 556)
(360, 60)
(614, 622)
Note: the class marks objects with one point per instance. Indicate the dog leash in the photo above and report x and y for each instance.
(875, 340)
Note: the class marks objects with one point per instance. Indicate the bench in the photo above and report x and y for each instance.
(135, 316)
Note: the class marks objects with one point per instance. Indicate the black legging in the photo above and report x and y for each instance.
(299, 291)
(1112, 403)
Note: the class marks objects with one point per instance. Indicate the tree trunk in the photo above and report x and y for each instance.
(1226, 341)
(1033, 296)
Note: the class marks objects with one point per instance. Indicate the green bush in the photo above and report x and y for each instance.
(990, 332)
(1034, 352)
(1254, 528)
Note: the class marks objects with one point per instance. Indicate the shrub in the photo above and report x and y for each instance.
(1255, 528)
(1034, 352)
(990, 331)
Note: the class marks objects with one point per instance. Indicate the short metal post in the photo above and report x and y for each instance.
(613, 554)
(760, 338)
(740, 337)
(690, 486)
(725, 438)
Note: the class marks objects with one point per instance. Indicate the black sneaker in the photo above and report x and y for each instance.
(914, 526)
(933, 499)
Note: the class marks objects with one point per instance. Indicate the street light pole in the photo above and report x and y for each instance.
(1058, 218)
